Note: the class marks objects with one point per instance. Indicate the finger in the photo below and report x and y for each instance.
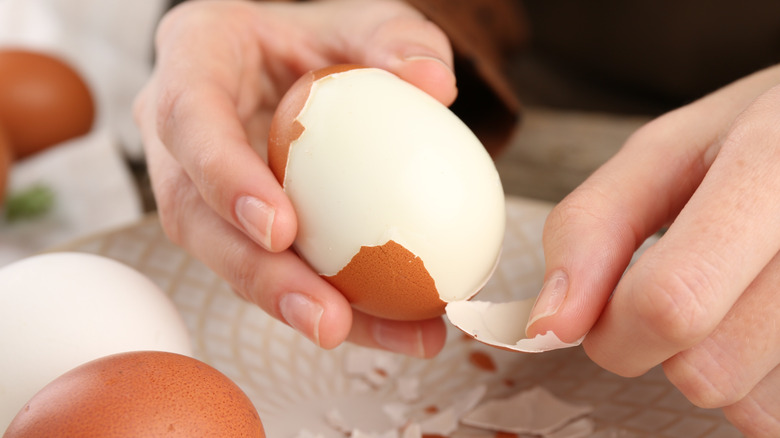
(590, 237)
(280, 283)
(739, 353)
(198, 115)
(684, 285)
(286, 288)
(395, 37)
(422, 339)
(758, 414)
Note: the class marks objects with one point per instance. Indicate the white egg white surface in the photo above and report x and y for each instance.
(59, 310)
(381, 160)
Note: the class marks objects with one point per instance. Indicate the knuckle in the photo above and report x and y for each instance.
(204, 160)
(243, 275)
(675, 307)
(589, 209)
(172, 199)
(167, 109)
(255, 275)
(573, 210)
(704, 378)
(754, 419)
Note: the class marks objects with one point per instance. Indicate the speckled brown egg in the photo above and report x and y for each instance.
(399, 205)
(43, 100)
(137, 394)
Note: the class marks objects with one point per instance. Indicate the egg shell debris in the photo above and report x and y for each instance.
(399, 205)
(471, 412)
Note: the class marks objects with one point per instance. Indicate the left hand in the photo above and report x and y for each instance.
(703, 301)
(221, 68)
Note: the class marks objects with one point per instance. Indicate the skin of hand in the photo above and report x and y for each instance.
(703, 300)
(221, 68)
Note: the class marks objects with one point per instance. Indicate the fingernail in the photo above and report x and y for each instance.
(302, 314)
(257, 218)
(550, 298)
(394, 336)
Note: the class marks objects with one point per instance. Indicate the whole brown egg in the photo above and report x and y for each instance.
(43, 101)
(135, 394)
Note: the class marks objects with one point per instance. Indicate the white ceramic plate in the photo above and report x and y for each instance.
(295, 386)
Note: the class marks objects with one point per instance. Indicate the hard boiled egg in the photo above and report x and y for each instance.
(59, 310)
(399, 205)
(139, 394)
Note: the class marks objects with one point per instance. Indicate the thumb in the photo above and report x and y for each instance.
(588, 241)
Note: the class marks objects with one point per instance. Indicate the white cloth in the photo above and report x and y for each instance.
(110, 42)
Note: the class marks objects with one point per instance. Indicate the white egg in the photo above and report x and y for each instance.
(59, 310)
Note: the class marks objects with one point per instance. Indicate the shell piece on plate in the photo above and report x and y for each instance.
(534, 411)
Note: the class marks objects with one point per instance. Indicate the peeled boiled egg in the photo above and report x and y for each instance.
(398, 203)
(43, 100)
(135, 394)
(59, 310)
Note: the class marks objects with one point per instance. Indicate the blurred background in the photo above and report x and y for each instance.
(89, 181)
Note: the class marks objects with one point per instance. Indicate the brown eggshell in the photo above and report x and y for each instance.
(138, 394)
(391, 282)
(43, 101)
(285, 129)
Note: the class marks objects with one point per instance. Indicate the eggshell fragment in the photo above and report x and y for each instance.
(141, 393)
(399, 205)
(534, 411)
(502, 325)
(445, 421)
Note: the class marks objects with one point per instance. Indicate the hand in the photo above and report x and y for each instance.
(221, 68)
(703, 301)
